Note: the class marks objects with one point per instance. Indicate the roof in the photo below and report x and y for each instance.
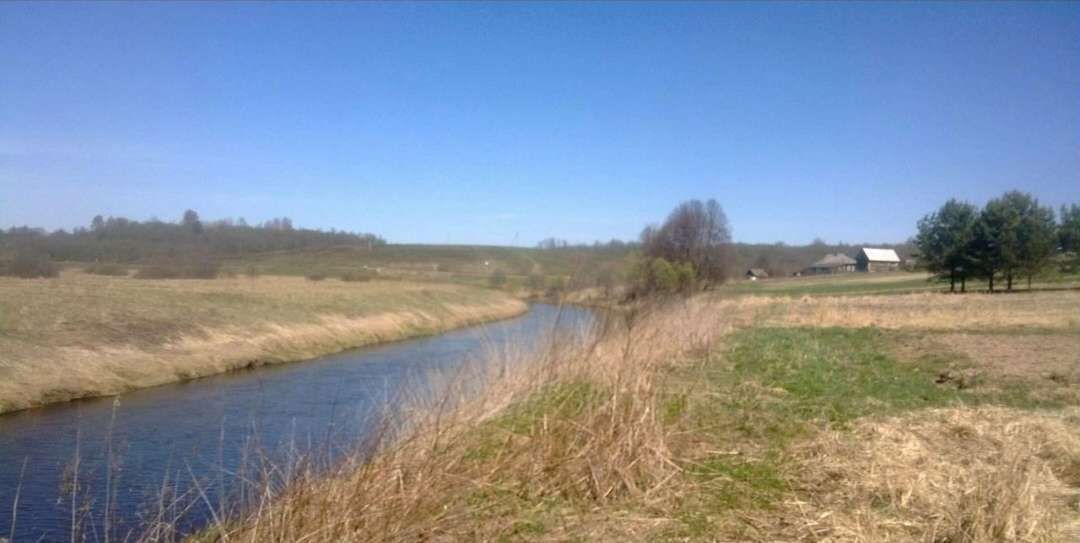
(834, 261)
(757, 272)
(880, 255)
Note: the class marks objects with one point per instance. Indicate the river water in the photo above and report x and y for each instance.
(194, 437)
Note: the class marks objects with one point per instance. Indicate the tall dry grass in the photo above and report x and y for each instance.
(575, 431)
(959, 475)
(84, 335)
(575, 421)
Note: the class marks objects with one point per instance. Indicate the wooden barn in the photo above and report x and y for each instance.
(837, 263)
(754, 274)
(877, 260)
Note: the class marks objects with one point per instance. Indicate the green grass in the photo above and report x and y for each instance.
(835, 374)
(772, 386)
(563, 401)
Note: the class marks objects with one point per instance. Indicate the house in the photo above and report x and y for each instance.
(837, 263)
(876, 260)
(754, 274)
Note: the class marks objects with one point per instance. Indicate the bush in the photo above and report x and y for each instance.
(252, 272)
(106, 269)
(31, 264)
(662, 276)
(316, 276)
(658, 276)
(685, 276)
(357, 276)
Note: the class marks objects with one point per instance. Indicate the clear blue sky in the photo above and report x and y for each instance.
(500, 123)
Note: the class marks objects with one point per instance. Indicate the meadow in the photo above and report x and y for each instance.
(83, 335)
(900, 417)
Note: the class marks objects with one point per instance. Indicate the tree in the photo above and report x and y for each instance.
(1069, 233)
(1038, 238)
(1013, 235)
(191, 221)
(945, 241)
(696, 232)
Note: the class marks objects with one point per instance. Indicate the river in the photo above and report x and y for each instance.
(125, 450)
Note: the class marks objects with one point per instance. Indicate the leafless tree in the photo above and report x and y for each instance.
(696, 232)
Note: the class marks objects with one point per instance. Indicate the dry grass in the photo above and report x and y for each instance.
(84, 335)
(1052, 311)
(558, 437)
(957, 475)
(651, 429)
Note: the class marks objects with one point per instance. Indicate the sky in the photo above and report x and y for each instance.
(507, 123)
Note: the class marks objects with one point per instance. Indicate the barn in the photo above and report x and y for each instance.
(877, 260)
(754, 274)
(837, 263)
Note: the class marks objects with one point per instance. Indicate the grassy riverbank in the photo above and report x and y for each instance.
(909, 417)
(83, 335)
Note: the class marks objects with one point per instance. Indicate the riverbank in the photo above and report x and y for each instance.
(909, 417)
(82, 335)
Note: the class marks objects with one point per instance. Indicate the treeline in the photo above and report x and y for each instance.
(188, 244)
(1011, 237)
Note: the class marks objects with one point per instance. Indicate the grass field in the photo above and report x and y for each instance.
(85, 335)
(464, 264)
(902, 417)
(879, 283)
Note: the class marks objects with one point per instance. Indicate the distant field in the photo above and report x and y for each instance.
(468, 264)
(84, 335)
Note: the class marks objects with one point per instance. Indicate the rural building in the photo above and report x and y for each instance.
(837, 263)
(754, 274)
(876, 260)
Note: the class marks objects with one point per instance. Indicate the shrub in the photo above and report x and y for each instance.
(106, 269)
(662, 276)
(251, 271)
(316, 276)
(685, 276)
(31, 264)
(356, 276)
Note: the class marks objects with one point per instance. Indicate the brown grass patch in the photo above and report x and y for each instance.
(929, 311)
(956, 475)
(1039, 356)
(85, 335)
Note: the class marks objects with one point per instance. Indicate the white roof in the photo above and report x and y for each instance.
(880, 255)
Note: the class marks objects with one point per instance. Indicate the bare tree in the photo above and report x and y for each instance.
(695, 232)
